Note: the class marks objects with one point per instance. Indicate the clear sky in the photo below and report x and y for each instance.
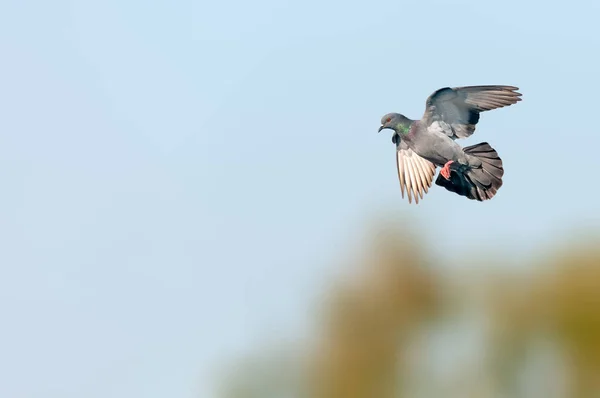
(177, 175)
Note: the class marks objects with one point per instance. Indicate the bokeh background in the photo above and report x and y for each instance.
(195, 202)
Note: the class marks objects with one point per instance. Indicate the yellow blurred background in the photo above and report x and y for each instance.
(403, 323)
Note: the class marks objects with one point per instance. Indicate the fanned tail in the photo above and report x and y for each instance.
(476, 183)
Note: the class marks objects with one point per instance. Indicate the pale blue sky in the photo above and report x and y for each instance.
(177, 176)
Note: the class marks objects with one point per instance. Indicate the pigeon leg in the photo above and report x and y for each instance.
(445, 171)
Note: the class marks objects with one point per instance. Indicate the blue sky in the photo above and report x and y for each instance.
(178, 176)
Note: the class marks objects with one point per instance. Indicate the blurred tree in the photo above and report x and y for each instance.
(559, 302)
(370, 327)
(570, 302)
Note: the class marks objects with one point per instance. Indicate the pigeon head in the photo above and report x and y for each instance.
(395, 121)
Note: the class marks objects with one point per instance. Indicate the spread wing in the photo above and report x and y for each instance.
(414, 172)
(456, 110)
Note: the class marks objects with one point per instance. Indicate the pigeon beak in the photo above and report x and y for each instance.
(380, 128)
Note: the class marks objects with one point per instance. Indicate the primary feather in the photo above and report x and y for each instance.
(457, 109)
(415, 173)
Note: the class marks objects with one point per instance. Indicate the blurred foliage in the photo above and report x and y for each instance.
(540, 331)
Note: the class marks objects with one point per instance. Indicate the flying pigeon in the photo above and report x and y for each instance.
(422, 145)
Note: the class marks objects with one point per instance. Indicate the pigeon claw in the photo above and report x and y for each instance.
(445, 171)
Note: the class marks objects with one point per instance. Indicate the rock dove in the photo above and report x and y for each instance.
(422, 145)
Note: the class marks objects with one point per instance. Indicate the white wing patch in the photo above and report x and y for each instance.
(415, 174)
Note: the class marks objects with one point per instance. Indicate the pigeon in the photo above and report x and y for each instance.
(423, 145)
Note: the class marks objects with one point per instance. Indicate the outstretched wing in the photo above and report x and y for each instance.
(456, 110)
(414, 172)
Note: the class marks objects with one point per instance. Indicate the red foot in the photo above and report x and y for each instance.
(445, 171)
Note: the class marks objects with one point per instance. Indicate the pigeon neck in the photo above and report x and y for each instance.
(402, 128)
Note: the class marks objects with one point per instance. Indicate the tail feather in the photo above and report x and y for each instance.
(476, 183)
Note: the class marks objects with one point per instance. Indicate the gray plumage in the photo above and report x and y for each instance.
(422, 145)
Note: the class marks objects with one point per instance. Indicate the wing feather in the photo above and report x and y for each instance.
(414, 173)
(458, 108)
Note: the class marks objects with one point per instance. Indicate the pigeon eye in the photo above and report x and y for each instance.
(389, 119)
